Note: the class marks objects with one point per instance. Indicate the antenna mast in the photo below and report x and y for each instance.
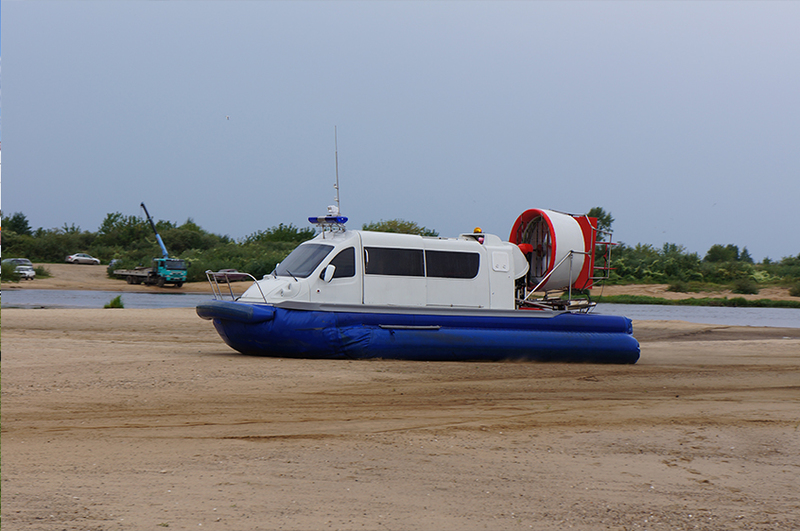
(334, 221)
(336, 154)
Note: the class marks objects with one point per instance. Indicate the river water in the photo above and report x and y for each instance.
(778, 317)
(56, 298)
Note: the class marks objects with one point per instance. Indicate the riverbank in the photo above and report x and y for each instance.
(94, 277)
(141, 419)
(86, 277)
(660, 291)
(720, 302)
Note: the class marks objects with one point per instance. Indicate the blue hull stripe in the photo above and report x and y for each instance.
(266, 330)
(243, 313)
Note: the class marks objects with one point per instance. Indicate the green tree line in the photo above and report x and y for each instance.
(672, 264)
(130, 241)
(722, 264)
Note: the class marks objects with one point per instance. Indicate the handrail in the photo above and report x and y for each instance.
(570, 305)
(547, 276)
(608, 241)
(217, 291)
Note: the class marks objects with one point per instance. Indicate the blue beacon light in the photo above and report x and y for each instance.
(326, 220)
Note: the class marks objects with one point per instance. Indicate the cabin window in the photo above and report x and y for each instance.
(390, 261)
(449, 264)
(345, 263)
(303, 260)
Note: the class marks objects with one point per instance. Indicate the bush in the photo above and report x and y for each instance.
(745, 286)
(9, 273)
(400, 226)
(679, 286)
(794, 291)
(116, 302)
(281, 233)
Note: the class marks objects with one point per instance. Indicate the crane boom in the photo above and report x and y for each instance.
(164, 252)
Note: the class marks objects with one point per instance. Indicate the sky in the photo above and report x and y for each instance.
(681, 119)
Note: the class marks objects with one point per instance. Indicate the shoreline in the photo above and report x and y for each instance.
(94, 278)
(737, 301)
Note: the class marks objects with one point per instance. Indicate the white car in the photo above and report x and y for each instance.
(24, 268)
(82, 258)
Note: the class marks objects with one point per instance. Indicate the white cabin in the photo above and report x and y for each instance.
(384, 269)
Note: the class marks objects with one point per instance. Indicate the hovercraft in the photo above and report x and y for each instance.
(352, 294)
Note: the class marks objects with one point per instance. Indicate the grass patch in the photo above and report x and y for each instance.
(42, 272)
(737, 302)
(116, 302)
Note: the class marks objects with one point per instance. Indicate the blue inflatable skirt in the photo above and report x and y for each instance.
(354, 332)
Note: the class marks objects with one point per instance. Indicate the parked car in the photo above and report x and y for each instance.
(230, 275)
(24, 268)
(82, 258)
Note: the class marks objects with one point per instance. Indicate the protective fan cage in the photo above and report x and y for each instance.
(559, 248)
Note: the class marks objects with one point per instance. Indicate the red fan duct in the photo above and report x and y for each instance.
(546, 237)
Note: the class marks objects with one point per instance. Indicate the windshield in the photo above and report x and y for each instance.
(179, 265)
(19, 261)
(303, 260)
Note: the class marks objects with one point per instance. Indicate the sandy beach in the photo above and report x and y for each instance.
(94, 277)
(145, 419)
